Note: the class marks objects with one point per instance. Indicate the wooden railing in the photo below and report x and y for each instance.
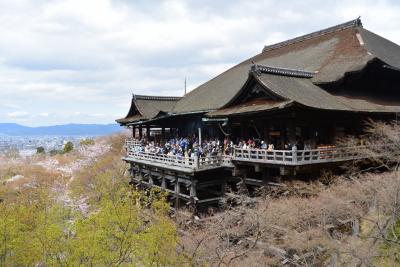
(280, 157)
(132, 142)
(298, 157)
(196, 163)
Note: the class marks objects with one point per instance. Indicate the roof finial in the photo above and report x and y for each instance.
(185, 86)
(358, 21)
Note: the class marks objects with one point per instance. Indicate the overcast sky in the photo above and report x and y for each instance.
(80, 60)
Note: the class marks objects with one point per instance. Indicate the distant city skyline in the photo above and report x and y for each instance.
(71, 61)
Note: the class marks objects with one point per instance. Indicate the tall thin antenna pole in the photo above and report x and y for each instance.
(185, 86)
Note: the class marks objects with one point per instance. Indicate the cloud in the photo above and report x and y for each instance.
(17, 114)
(89, 56)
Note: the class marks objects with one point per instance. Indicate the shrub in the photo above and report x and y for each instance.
(40, 150)
(69, 146)
(87, 142)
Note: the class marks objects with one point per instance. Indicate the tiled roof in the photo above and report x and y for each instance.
(326, 55)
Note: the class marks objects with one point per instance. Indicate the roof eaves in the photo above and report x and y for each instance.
(350, 24)
(258, 69)
(158, 98)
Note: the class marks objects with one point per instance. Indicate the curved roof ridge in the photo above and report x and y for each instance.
(350, 24)
(258, 69)
(158, 98)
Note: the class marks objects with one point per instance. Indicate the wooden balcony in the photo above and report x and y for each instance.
(178, 163)
(259, 156)
(297, 157)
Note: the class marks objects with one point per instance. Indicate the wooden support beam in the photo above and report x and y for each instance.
(140, 132)
(140, 173)
(148, 132)
(193, 189)
(151, 182)
(163, 135)
(177, 192)
(266, 174)
(163, 181)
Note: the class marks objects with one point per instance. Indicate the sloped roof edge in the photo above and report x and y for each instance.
(350, 24)
(158, 98)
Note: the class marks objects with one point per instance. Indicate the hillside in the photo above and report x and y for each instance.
(65, 129)
(338, 220)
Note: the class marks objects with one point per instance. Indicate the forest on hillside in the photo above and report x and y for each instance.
(77, 209)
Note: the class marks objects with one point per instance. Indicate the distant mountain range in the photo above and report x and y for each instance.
(65, 129)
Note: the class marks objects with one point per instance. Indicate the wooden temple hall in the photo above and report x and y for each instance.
(308, 92)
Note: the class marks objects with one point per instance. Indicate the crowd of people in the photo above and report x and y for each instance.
(181, 146)
(189, 146)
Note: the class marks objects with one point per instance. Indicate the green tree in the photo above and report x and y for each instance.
(127, 227)
(87, 142)
(40, 150)
(68, 147)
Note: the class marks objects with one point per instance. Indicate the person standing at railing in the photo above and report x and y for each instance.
(271, 147)
(263, 145)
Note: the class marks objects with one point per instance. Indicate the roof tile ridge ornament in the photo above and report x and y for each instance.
(350, 24)
(259, 69)
(159, 98)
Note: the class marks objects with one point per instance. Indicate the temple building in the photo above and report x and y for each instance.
(307, 92)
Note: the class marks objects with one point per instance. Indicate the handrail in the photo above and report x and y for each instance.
(283, 157)
(298, 157)
(180, 161)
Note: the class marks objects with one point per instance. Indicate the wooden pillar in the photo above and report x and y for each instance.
(163, 134)
(193, 191)
(177, 191)
(148, 132)
(140, 132)
(163, 181)
(266, 133)
(244, 130)
(200, 136)
(133, 132)
(292, 132)
(196, 161)
(140, 173)
(151, 182)
(223, 187)
(266, 175)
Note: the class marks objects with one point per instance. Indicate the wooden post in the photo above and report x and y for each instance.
(294, 154)
(163, 182)
(177, 191)
(199, 136)
(292, 132)
(193, 192)
(163, 135)
(148, 132)
(196, 161)
(133, 132)
(151, 182)
(140, 173)
(266, 175)
(140, 132)
(223, 187)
